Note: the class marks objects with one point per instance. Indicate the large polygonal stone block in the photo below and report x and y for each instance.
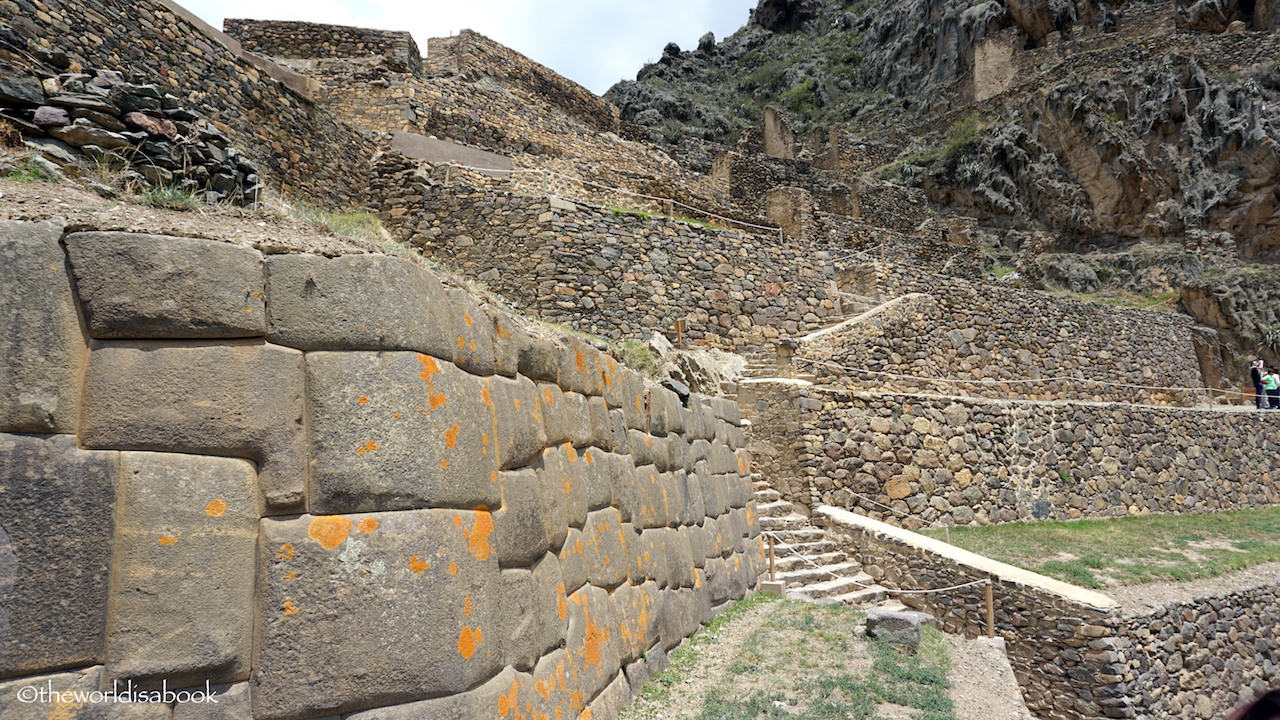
(633, 399)
(473, 333)
(637, 618)
(47, 702)
(155, 286)
(592, 640)
(41, 344)
(575, 567)
(554, 413)
(396, 431)
(533, 612)
(556, 693)
(688, 506)
(519, 434)
(596, 478)
(577, 419)
(581, 367)
(601, 426)
(679, 558)
(357, 302)
(617, 439)
(182, 588)
(539, 354)
(647, 449)
(506, 346)
(648, 561)
(528, 523)
(664, 412)
(607, 558)
(506, 695)
(701, 544)
(615, 696)
(713, 499)
(368, 610)
(652, 509)
(565, 468)
(242, 399)
(57, 506)
(233, 704)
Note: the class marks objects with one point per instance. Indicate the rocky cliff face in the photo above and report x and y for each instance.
(1105, 145)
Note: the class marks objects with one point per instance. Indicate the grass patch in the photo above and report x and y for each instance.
(1158, 302)
(1131, 550)
(171, 197)
(659, 216)
(637, 356)
(999, 271)
(30, 172)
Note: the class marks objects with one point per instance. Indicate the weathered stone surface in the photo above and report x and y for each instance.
(636, 606)
(356, 302)
(413, 595)
(592, 641)
(56, 523)
(573, 561)
(88, 680)
(19, 86)
(565, 468)
(41, 346)
(896, 628)
(507, 692)
(233, 704)
(519, 436)
(182, 585)
(506, 344)
(554, 413)
(527, 524)
(396, 431)
(534, 612)
(607, 555)
(472, 333)
(241, 399)
(152, 125)
(611, 700)
(154, 286)
(48, 116)
(577, 419)
(83, 132)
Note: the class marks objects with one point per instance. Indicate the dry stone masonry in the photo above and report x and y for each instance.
(337, 485)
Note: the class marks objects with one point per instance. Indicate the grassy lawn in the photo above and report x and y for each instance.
(1131, 550)
(799, 661)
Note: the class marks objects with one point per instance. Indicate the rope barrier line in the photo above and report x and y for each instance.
(673, 203)
(924, 591)
(932, 525)
(992, 381)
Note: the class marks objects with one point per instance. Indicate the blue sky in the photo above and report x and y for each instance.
(594, 42)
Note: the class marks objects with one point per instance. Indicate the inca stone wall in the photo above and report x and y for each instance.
(337, 485)
(614, 274)
(1077, 654)
(955, 460)
(312, 40)
(302, 148)
(1015, 342)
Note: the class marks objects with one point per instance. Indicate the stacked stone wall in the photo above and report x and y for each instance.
(610, 273)
(304, 149)
(1014, 342)
(338, 485)
(312, 40)
(930, 251)
(470, 53)
(967, 461)
(1077, 654)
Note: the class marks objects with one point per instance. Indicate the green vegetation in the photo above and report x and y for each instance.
(1159, 302)
(353, 225)
(1131, 550)
(1271, 336)
(963, 139)
(617, 211)
(171, 197)
(999, 271)
(30, 172)
(637, 356)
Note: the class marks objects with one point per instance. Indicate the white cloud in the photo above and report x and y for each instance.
(593, 42)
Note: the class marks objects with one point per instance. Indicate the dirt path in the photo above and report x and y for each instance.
(983, 686)
(1141, 598)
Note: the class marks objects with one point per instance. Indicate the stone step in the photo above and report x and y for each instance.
(846, 297)
(800, 535)
(807, 574)
(793, 521)
(767, 494)
(810, 549)
(775, 508)
(836, 586)
(864, 597)
(789, 562)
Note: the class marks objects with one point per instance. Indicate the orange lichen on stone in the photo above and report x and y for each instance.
(168, 539)
(416, 565)
(484, 438)
(368, 525)
(570, 453)
(581, 362)
(484, 393)
(467, 641)
(467, 317)
(329, 530)
(216, 508)
(451, 436)
(289, 608)
(561, 606)
(363, 399)
(368, 447)
(510, 700)
(479, 533)
(291, 575)
(396, 416)
(444, 464)
(436, 400)
(286, 552)
(546, 393)
(453, 568)
(543, 688)
(429, 367)
(517, 404)
(466, 605)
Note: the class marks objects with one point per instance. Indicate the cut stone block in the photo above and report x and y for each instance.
(85, 681)
(606, 549)
(601, 426)
(577, 419)
(518, 429)
(556, 688)
(506, 345)
(574, 566)
(369, 610)
(357, 302)
(507, 692)
(527, 525)
(580, 367)
(182, 587)
(592, 641)
(396, 431)
(41, 344)
(241, 399)
(896, 628)
(533, 612)
(539, 354)
(154, 286)
(637, 618)
(597, 484)
(554, 413)
(472, 333)
(611, 700)
(565, 468)
(56, 521)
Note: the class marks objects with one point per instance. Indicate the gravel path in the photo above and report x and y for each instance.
(983, 686)
(1135, 599)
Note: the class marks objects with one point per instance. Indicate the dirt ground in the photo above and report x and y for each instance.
(1140, 598)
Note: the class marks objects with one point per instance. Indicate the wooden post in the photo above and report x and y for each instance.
(991, 611)
(772, 560)
(679, 330)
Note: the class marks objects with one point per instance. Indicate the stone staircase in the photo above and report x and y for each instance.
(827, 575)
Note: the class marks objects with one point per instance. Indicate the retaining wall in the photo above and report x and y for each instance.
(312, 40)
(304, 149)
(1006, 337)
(957, 460)
(1076, 653)
(610, 273)
(332, 485)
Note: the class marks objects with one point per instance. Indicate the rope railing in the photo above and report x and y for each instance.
(600, 186)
